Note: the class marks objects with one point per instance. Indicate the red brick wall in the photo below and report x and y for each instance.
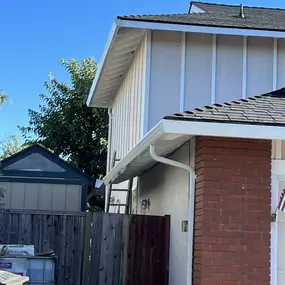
(232, 212)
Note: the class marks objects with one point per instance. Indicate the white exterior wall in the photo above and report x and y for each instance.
(278, 149)
(41, 197)
(127, 108)
(210, 69)
(167, 189)
(127, 116)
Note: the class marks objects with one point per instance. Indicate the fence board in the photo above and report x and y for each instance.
(87, 251)
(101, 249)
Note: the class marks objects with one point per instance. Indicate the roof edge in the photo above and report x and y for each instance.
(110, 40)
(170, 129)
(237, 5)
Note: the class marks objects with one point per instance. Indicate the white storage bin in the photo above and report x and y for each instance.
(40, 270)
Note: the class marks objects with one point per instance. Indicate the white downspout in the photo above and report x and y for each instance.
(191, 198)
(109, 155)
(109, 139)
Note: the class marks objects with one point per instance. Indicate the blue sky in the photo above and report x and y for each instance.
(35, 35)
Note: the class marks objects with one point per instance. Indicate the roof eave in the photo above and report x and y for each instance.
(174, 133)
(112, 35)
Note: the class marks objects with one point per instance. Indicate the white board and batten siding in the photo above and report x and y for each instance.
(127, 115)
(193, 70)
(127, 108)
(41, 197)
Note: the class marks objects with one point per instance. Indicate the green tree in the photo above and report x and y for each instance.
(65, 125)
(10, 146)
(3, 98)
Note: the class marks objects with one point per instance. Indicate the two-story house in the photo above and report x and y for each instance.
(217, 170)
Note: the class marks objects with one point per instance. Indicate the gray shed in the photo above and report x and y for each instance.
(36, 179)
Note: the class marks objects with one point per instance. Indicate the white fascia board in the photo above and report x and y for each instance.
(200, 29)
(150, 138)
(112, 36)
(195, 128)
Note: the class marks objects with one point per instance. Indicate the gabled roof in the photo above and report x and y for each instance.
(128, 31)
(36, 161)
(267, 109)
(226, 16)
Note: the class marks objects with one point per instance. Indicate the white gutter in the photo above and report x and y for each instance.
(171, 129)
(191, 199)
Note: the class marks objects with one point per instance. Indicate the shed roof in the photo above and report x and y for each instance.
(36, 161)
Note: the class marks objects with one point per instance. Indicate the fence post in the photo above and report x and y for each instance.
(87, 249)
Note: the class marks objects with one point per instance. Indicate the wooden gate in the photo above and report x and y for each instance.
(101, 249)
(148, 251)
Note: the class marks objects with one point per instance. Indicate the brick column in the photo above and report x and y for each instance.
(232, 212)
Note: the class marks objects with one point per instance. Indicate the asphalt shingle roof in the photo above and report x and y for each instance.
(267, 109)
(226, 16)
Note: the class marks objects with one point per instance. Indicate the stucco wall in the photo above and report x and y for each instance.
(167, 189)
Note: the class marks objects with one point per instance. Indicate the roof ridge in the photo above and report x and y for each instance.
(143, 15)
(237, 5)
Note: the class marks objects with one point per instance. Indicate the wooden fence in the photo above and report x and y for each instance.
(96, 249)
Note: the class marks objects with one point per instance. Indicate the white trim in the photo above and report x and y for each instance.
(199, 29)
(278, 149)
(223, 130)
(112, 36)
(274, 231)
(214, 62)
(147, 83)
(275, 59)
(244, 68)
(171, 130)
(278, 175)
(182, 74)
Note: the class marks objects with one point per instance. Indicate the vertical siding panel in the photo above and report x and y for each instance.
(244, 67)
(127, 106)
(260, 66)
(229, 68)
(133, 105)
(198, 70)
(275, 60)
(214, 69)
(165, 75)
(142, 84)
(139, 101)
(6, 201)
(281, 64)
(127, 110)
